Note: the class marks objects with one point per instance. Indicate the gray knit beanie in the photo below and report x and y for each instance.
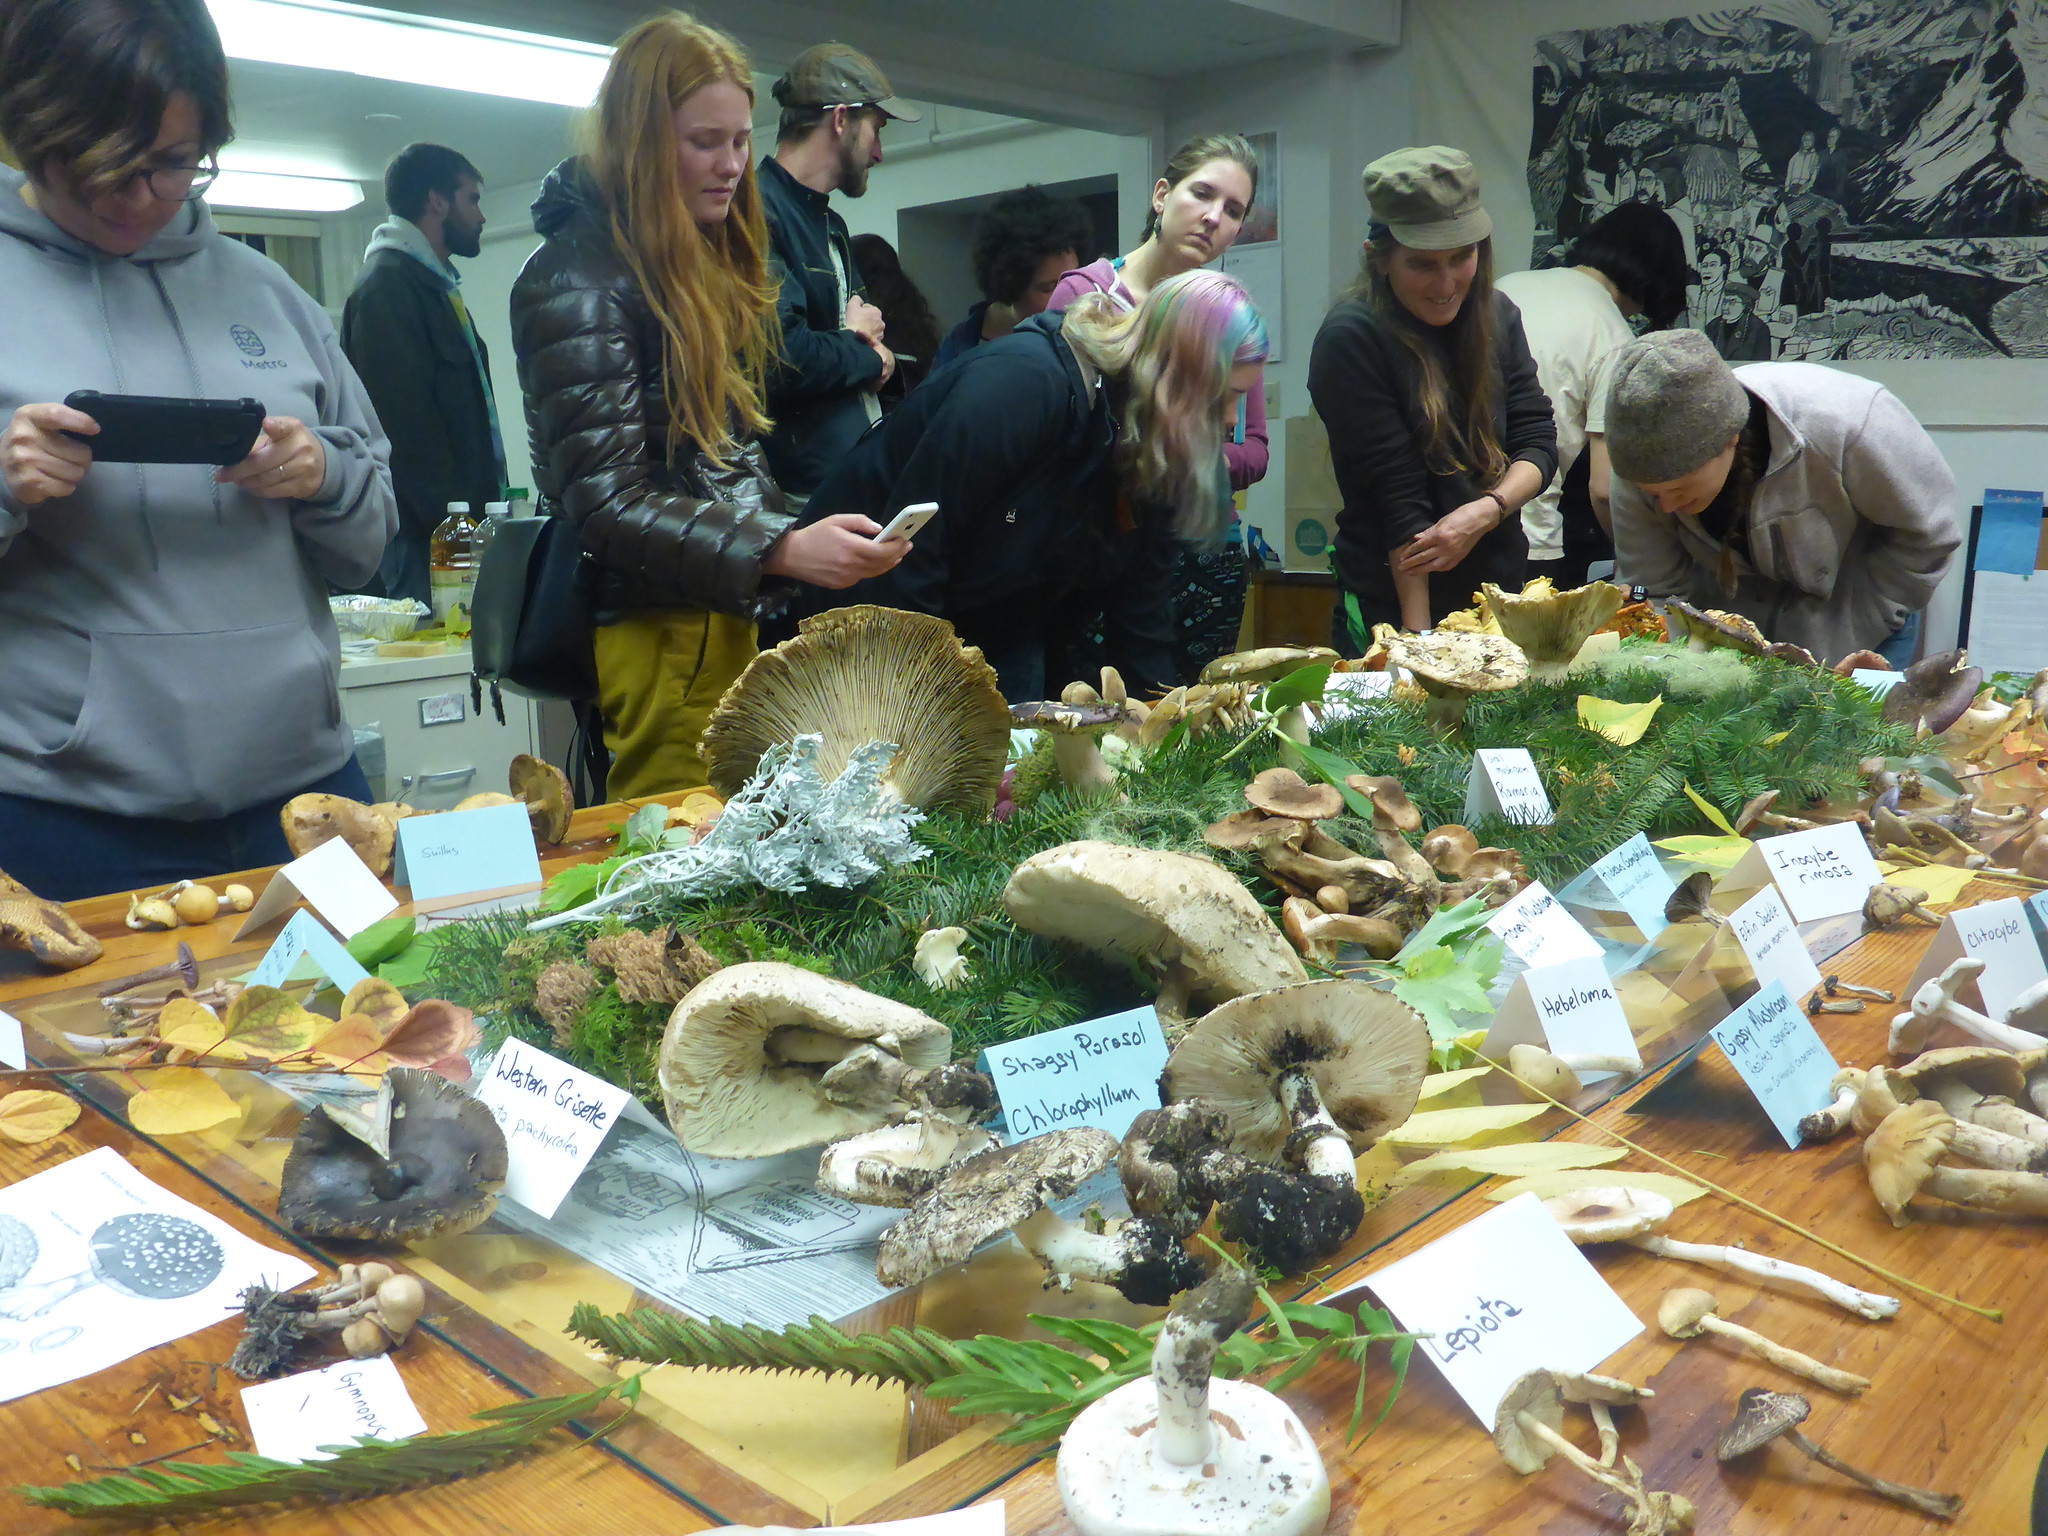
(1672, 404)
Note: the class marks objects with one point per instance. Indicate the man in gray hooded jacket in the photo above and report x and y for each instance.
(171, 663)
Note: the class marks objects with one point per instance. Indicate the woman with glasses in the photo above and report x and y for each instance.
(171, 662)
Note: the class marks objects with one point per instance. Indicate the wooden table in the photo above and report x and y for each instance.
(1956, 1405)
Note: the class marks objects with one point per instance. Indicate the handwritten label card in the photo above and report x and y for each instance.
(1102, 1073)
(553, 1116)
(1772, 945)
(1996, 932)
(304, 945)
(1771, 1042)
(1879, 683)
(1505, 1294)
(335, 883)
(1638, 882)
(1570, 1009)
(2037, 904)
(293, 1417)
(1824, 873)
(1505, 783)
(13, 1047)
(1539, 931)
(466, 856)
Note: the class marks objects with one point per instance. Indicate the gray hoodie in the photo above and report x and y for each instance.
(165, 643)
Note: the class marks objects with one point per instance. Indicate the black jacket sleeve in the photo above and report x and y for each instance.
(1358, 386)
(589, 365)
(814, 364)
(389, 336)
(1137, 616)
(1532, 424)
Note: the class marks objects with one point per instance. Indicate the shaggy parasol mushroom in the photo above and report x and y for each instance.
(1687, 1313)
(1619, 1214)
(1903, 1158)
(1550, 625)
(1076, 731)
(1010, 1189)
(894, 1164)
(1600, 1396)
(1936, 1003)
(1762, 1416)
(371, 830)
(1934, 692)
(550, 802)
(746, 1059)
(1703, 629)
(1194, 925)
(1453, 667)
(1888, 905)
(860, 674)
(1185, 1454)
(1554, 1076)
(42, 928)
(445, 1165)
(1528, 1429)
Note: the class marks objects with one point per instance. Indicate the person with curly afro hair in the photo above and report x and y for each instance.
(1023, 242)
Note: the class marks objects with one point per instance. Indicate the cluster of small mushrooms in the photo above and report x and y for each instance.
(372, 1307)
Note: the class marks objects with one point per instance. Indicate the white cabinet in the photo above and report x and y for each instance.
(437, 747)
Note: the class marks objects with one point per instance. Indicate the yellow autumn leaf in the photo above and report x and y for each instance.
(1716, 854)
(1544, 1185)
(197, 1028)
(35, 1114)
(1437, 1084)
(1942, 884)
(356, 1042)
(1774, 738)
(272, 1025)
(1622, 724)
(1517, 1159)
(378, 1001)
(1441, 1127)
(178, 1100)
(1710, 811)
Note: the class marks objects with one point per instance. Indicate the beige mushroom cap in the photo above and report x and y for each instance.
(1682, 1310)
(1704, 628)
(1609, 1214)
(1266, 664)
(1985, 1068)
(1366, 1049)
(1446, 663)
(1392, 810)
(1587, 1387)
(550, 802)
(1449, 848)
(1549, 625)
(1168, 909)
(1903, 1152)
(1283, 792)
(1535, 1394)
(730, 1092)
(310, 820)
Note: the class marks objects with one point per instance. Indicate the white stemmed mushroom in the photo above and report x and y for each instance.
(937, 959)
(1885, 1089)
(1618, 1214)
(1936, 1004)
(1452, 666)
(1830, 1122)
(1183, 1454)
(1076, 731)
(1903, 1158)
(1557, 1076)
(1601, 1395)
(895, 1164)
(1528, 1430)
(1687, 1313)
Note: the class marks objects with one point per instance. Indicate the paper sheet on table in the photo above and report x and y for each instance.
(296, 1417)
(98, 1264)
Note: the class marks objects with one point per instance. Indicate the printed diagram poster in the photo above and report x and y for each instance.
(1855, 179)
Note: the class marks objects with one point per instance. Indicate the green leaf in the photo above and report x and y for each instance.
(1440, 985)
(410, 967)
(380, 941)
(573, 886)
(1335, 770)
(644, 829)
(1300, 686)
(1446, 924)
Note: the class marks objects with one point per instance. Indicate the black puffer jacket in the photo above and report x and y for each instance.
(663, 532)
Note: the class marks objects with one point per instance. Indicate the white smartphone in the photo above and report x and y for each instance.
(905, 524)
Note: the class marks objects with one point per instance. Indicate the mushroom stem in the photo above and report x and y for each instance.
(1938, 1506)
(1325, 1149)
(184, 968)
(1845, 1382)
(1083, 768)
(2013, 1194)
(1599, 1471)
(1826, 1124)
(1610, 1437)
(2001, 1117)
(1182, 1361)
(1068, 1251)
(1863, 1303)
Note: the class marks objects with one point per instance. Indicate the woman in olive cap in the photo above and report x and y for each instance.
(1439, 431)
(1807, 499)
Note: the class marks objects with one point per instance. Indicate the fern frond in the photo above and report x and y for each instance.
(913, 1356)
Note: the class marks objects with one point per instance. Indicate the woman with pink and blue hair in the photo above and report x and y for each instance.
(1070, 461)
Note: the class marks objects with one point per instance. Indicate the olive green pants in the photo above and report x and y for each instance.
(658, 680)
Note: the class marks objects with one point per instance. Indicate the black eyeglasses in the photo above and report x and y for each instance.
(180, 183)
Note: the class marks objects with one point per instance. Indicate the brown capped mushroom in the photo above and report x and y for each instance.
(1076, 731)
(1448, 849)
(1703, 629)
(1283, 792)
(1888, 905)
(1903, 1158)
(550, 801)
(1762, 1416)
(310, 820)
(1317, 933)
(1979, 1084)
(1934, 692)
(1686, 1313)
(1366, 883)
(1550, 626)
(1860, 661)
(1884, 1089)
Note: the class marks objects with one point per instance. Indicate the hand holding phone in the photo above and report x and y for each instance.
(154, 429)
(906, 524)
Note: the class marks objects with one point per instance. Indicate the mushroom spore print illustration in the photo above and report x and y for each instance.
(143, 1255)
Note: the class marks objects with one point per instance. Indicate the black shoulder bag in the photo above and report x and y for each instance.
(530, 618)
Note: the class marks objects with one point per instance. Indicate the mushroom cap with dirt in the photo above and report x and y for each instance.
(446, 1165)
(371, 830)
(1361, 1051)
(550, 802)
(861, 674)
(1550, 626)
(747, 1053)
(1266, 664)
(1934, 693)
(43, 928)
(1192, 922)
(1453, 667)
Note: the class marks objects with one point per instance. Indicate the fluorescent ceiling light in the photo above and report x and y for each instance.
(296, 194)
(419, 50)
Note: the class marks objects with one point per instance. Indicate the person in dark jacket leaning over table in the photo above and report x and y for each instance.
(643, 328)
(832, 357)
(1069, 460)
(411, 339)
(1439, 431)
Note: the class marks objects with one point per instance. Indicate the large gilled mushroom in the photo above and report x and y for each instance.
(1184, 1454)
(550, 802)
(441, 1176)
(1704, 629)
(1936, 1003)
(894, 1164)
(861, 674)
(765, 1057)
(1884, 1089)
(1687, 1313)
(1267, 664)
(1618, 1214)
(1528, 1430)
(1011, 1189)
(1934, 692)
(1903, 1158)
(1394, 816)
(1762, 1416)
(1191, 923)
(1452, 667)
(1979, 1084)
(1550, 625)
(42, 928)
(1076, 731)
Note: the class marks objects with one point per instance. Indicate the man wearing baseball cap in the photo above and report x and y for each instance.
(821, 390)
(1805, 498)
